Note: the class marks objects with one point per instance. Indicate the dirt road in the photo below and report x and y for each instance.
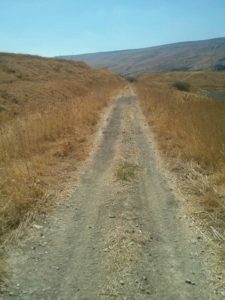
(122, 234)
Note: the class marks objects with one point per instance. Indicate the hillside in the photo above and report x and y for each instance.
(206, 55)
(49, 110)
(31, 83)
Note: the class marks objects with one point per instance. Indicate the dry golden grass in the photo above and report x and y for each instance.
(33, 84)
(189, 130)
(49, 110)
(197, 80)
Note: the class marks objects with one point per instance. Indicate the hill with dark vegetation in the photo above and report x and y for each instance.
(206, 55)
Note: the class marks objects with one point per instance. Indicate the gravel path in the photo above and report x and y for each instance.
(122, 234)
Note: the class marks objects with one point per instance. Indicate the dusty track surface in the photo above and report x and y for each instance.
(122, 235)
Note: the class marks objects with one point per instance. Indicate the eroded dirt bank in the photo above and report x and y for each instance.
(122, 234)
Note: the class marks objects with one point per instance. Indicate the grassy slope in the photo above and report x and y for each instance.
(189, 130)
(29, 83)
(190, 56)
(48, 112)
(198, 80)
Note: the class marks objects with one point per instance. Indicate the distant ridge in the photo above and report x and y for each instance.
(205, 55)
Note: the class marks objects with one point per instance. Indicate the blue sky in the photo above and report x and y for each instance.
(57, 27)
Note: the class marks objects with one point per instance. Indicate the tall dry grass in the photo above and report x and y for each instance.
(49, 134)
(49, 110)
(190, 134)
(30, 144)
(197, 80)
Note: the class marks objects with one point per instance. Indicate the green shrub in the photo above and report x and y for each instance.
(182, 86)
(126, 171)
(130, 78)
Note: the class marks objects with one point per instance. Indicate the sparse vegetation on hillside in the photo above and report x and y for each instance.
(185, 56)
(50, 110)
(198, 81)
(182, 86)
(130, 78)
